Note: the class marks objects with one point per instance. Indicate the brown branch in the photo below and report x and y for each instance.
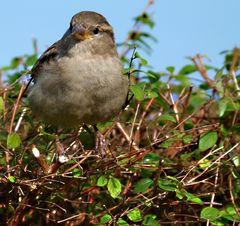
(131, 139)
(136, 137)
(40, 160)
(16, 107)
(235, 59)
(126, 135)
(198, 62)
(134, 28)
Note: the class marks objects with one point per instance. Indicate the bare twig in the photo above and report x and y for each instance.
(201, 68)
(134, 145)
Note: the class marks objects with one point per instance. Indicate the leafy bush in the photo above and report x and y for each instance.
(173, 152)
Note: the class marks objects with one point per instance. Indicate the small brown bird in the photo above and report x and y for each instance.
(79, 78)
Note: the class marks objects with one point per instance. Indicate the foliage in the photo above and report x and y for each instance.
(173, 158)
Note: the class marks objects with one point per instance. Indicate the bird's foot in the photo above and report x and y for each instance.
(101, 146)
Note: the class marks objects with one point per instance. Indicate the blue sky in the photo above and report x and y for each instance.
(183, 28)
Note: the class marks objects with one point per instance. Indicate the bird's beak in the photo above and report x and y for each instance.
(79, 32)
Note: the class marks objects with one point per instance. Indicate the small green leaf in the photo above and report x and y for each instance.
(153, 76)
(170, 69)
(31, 60)
(152, 94)
(143, 61)
(143, 185)
(187, 139)
(167, 118)
(13, 140)
(11, 179)
(210, 213)
(76, 172)
(102, 181)
(149, 220)
(219, 84)
(138, 92)
(127, 70)
(204, 163)
(105, 219)
(231, 210)
(223, 104)
(42, 132)
(135, 215)
(188, 69)
(167, 185)
(167, 143)
(122, 222)
(114, 187)
(179, 193)
(183, 79)
(207, 140)
(102, 126)
(146, 19)
(151, 158)
(193, 198)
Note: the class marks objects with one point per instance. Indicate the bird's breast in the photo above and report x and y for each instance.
(79, 90)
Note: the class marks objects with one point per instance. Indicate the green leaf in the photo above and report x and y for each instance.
(193, 198)
(102, 126)
(102, 181)
(152, 94)
(13, 140)
(114, 187)
(207, 140)
(223, 105)
(167, 143)
(15, 62)
(167, 185)
(105, 219)
(149, 220)
(1, 105)
(170, 69)
(153, 76)
(167, 118)
(135, 215)
(31, 60)
(218, 81)
(183, 79)
(127, 70)
(187, 139)
(188, 69)
(11, 179)
(151, 158)
(138, 92)
(42, 132)
(198, 99)
(122, 222)
(143, 185)
(146, 19)
(76, 172)
(204, 163)
(210, 213)
(143, 61)
(230, 213)
(179, 193)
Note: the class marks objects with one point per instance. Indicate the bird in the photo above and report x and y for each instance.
(79, 79)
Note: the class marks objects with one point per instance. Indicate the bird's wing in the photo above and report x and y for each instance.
(48, 55)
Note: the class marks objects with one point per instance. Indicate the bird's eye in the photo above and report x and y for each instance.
(95, 30)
